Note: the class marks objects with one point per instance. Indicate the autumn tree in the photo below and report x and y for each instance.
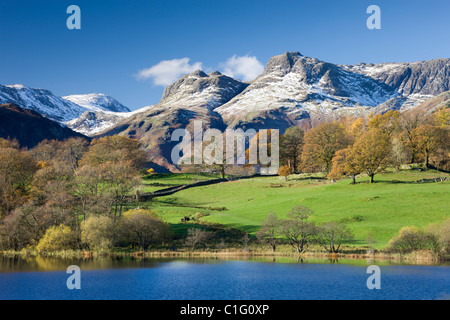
(57, 238)
(442, 117)
(398, 153)
(19, 229)
(262, 151)
(9, 143)
(321, 144)
(118, 160)
(344, 164)
(121, 178)
(115, 149)
(429, 139)
(16, 171)
(370, 152)
(67, 153)
(386, 123)
(285, 171)
(411, 239)
(357, 128)
(91, 191)
(144, 228)
(408, 122)
(291, 143)
(98, 233)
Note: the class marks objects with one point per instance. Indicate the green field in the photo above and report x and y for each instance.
(156, 182)
(381, 209)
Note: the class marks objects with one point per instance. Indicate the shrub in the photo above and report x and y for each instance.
(98, 233)
(412, 239)
(442, 234)
(57, 238)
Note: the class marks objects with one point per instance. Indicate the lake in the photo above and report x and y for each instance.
(155, 279)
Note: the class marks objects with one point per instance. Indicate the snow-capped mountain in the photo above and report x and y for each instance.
(61, 109)
(199, 89)
(97, 102)
(292, 90)
(92, 122)
(294, 87)
(192, 97)
(422, 78)
(42, 101)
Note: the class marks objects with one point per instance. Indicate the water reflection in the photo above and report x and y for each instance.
(41, 263)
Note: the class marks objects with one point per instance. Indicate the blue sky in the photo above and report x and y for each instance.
(118, 39)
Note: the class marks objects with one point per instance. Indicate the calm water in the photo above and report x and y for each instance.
(218, 280)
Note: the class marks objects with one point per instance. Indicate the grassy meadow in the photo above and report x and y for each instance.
(380, 209)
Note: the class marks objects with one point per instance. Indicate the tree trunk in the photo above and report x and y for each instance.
(371, 178)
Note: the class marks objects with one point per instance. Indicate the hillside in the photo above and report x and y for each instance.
(29, 127)
(380, 209)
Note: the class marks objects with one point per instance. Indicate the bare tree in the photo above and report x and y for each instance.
(298, 230)
(269, 231)
(197, 236)
(332, 235)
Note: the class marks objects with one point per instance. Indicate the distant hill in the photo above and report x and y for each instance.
(29, 127)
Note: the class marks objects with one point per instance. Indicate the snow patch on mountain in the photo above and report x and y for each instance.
(97, 102)
(40, 100)
(92, 122)
(298, 83)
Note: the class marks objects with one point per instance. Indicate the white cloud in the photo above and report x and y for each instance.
(245, 67)
(168, 71)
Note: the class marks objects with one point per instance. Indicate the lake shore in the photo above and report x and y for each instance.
(414, 258)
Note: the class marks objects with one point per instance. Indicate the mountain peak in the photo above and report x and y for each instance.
(214, 73)
(199, 73)
(283, 62)
(293, 54)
